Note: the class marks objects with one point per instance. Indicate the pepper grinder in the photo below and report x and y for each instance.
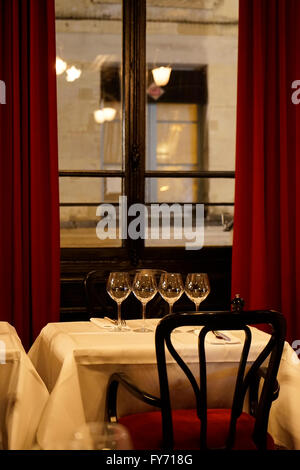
(237, 304)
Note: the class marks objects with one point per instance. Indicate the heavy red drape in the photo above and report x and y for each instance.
(29, 211)
(266, 245)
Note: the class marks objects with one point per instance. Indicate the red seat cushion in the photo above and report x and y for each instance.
(146, 433)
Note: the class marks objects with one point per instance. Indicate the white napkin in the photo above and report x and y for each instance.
(104, 323)
(212, 339)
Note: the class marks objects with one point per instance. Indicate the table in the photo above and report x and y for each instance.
(23, 393)
(75, 360)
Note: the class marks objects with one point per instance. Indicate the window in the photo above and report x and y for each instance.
(90, 151)
(121, 133)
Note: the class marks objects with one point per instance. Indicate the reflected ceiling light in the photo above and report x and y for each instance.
(104, 114)
(164, 188)
(99, 116)
(109, 114)
(73, 73)
(161, 75)
(60, 66)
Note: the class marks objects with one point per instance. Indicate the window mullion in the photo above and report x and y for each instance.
(134, 97)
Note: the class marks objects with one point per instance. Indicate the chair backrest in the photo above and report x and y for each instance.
(97, 301)
(270, 357)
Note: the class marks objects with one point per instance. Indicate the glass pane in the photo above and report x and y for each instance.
(182, 112)
(79, 222)
(218, 225)
(173, 136)
(191, 112)
(88, 69)
(78, 228)
(89, 190)
(217, 222)
(213, 190)
(177, 144)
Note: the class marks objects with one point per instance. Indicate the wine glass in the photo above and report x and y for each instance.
(171, 288)
(101, 436)
(197, 288)
(144, 288)
(118, 287)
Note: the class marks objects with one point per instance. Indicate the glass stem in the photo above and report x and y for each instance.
(170, 308)
(144, 315)
(197, 307)
(119, 323)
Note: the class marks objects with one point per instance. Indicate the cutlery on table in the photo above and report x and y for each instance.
(220, 335)
(110, 320)
(114, 322)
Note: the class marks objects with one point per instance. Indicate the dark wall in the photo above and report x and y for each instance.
(216, 261)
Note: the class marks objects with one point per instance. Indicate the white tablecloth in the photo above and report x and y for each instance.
(76, 359)
(23, 394)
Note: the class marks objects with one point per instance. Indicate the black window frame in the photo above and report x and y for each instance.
(77, 262)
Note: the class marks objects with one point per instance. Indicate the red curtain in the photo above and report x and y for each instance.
(29, 210)
(266, 245)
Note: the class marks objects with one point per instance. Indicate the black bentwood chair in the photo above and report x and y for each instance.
(96, 298)
(203, 428)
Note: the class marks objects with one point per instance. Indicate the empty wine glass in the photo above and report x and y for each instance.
(171, 288)
(197, 288)
(118, 287)
(101, 436)
(144, 288)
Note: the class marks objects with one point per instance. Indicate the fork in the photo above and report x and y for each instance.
(123, 322)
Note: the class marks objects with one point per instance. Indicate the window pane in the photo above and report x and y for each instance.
(89, 93)
(212, 190)
(78, 228)
(89, 190)
(177, 144)
(191, 114)
(79, 198)
(218, 225)
(180, 113)
(218, 228)
(173, 130)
